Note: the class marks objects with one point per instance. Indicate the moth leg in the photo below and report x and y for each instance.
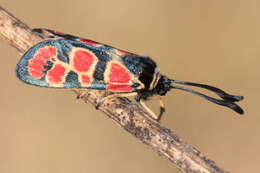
(82, 94)
(148, 110)
(106, 96)
(110, 95)
(162, 107)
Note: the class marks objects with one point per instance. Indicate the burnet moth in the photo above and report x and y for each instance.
(66, 61)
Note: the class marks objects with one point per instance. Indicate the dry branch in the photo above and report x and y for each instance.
(125, 113)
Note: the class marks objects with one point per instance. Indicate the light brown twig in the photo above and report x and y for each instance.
(125, 113)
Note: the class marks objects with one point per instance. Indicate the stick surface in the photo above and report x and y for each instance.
(128, 115)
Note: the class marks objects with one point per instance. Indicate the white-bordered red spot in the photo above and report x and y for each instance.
(36, 64)
(118, 74)
(85, 80)
(56, 74)
(83, 62)
(117, 77)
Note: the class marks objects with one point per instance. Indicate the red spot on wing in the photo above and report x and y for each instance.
(90, 42)
(118, 74)
(36, 71)
(119, 88)
(55, 75)
(36, 64)
(85, 79)
(83, 60)
(35, 68)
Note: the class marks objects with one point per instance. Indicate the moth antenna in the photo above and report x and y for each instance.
(228, 100)
(219, 92)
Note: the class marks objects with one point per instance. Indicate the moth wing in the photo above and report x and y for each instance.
(73, 64)
(59, 63)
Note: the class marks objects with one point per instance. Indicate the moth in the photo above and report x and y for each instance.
(66, 61)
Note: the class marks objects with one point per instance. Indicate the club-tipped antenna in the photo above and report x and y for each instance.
(228, 100)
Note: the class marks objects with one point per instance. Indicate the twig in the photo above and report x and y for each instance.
(128, 115)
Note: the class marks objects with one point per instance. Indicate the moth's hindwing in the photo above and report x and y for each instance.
(47, 33)
(69, 63)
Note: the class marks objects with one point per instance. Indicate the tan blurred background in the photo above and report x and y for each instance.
(213, 42)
